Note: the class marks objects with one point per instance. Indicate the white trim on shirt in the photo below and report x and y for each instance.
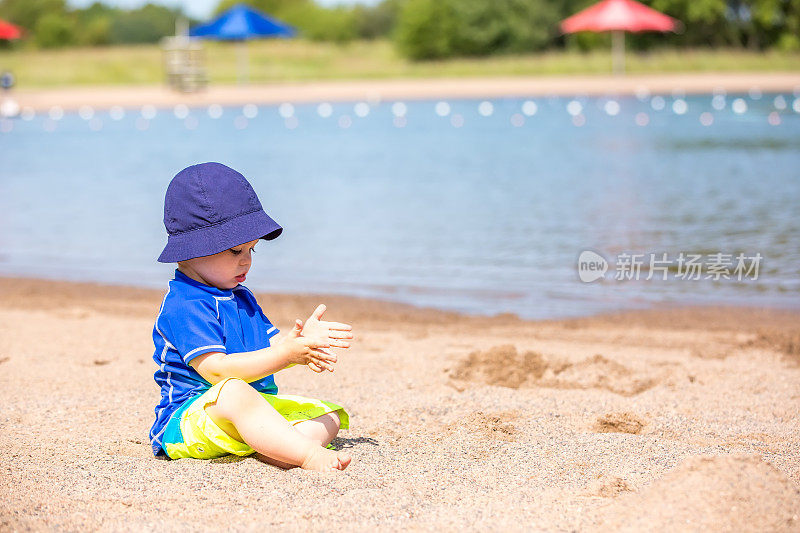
(217, 300)
(203, 348)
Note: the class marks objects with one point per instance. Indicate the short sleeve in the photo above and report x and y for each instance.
(266, 328)
(192, 328)
(269, 330)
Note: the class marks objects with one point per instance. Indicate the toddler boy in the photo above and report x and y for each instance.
(215, 347)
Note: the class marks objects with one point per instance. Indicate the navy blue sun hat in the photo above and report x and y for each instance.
(210, 208)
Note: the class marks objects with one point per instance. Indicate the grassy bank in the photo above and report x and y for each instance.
(298, 60)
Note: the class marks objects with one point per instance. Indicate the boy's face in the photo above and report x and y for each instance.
(224, 270)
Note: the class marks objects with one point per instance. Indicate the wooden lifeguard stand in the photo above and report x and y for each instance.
(184, 60)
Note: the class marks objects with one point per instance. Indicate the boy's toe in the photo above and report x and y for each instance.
(344, 459)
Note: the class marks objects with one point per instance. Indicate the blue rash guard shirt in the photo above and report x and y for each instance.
(195, 319)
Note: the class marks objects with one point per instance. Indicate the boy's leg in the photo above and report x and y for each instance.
(321, 429)
(241, 408)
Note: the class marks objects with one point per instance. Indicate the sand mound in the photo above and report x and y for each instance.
(485, 426)
(599, 372)
(619, 423)
(505, 367)
(718, 493)
(781, 340)
(491, 425)
(502, 366)
(609, 487)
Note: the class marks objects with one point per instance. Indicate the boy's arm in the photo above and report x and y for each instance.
(250, 366)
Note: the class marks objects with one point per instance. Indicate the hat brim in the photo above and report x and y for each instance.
(210, 240)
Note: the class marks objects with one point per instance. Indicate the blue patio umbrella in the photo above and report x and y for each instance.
(242, 23)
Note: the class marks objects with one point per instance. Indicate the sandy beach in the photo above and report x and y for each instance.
(408, 89)
(676, 418)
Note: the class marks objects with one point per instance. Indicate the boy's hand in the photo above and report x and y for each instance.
(333, 333)
(305, 351)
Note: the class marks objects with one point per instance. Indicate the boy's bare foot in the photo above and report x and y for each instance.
(322, 460)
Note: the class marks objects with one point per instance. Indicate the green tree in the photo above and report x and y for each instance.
(706, 22)
(94, 24)
(55, 30)
(378, 20)
(321, 24)
(147, 24)
(776, 23)
(26, 13)
(311, 20)
(789, 36)
(274, 8)
(430, 29)
(532, 24)
(479, 27)
(96, 31)
(425, 29)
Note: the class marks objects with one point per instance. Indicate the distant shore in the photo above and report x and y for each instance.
(374, 91)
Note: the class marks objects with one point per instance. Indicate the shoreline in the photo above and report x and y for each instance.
(622, 421)
(35, 293)
(374, 91)
(12, 286)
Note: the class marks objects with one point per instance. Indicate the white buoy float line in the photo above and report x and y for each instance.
(9, 108)
(324, 110)
(486, 108)
(361, 109)
(575, 108)
(612, 108)
(399, 112)
(291, 123)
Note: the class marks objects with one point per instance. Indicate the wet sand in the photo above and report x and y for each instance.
(676, 418)
(408, 89)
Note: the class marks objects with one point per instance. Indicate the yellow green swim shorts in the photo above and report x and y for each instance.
(190, 432)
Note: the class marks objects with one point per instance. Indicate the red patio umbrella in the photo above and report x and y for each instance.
(9, 31)
(619, 16)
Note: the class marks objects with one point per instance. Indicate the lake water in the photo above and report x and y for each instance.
(483, 207)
